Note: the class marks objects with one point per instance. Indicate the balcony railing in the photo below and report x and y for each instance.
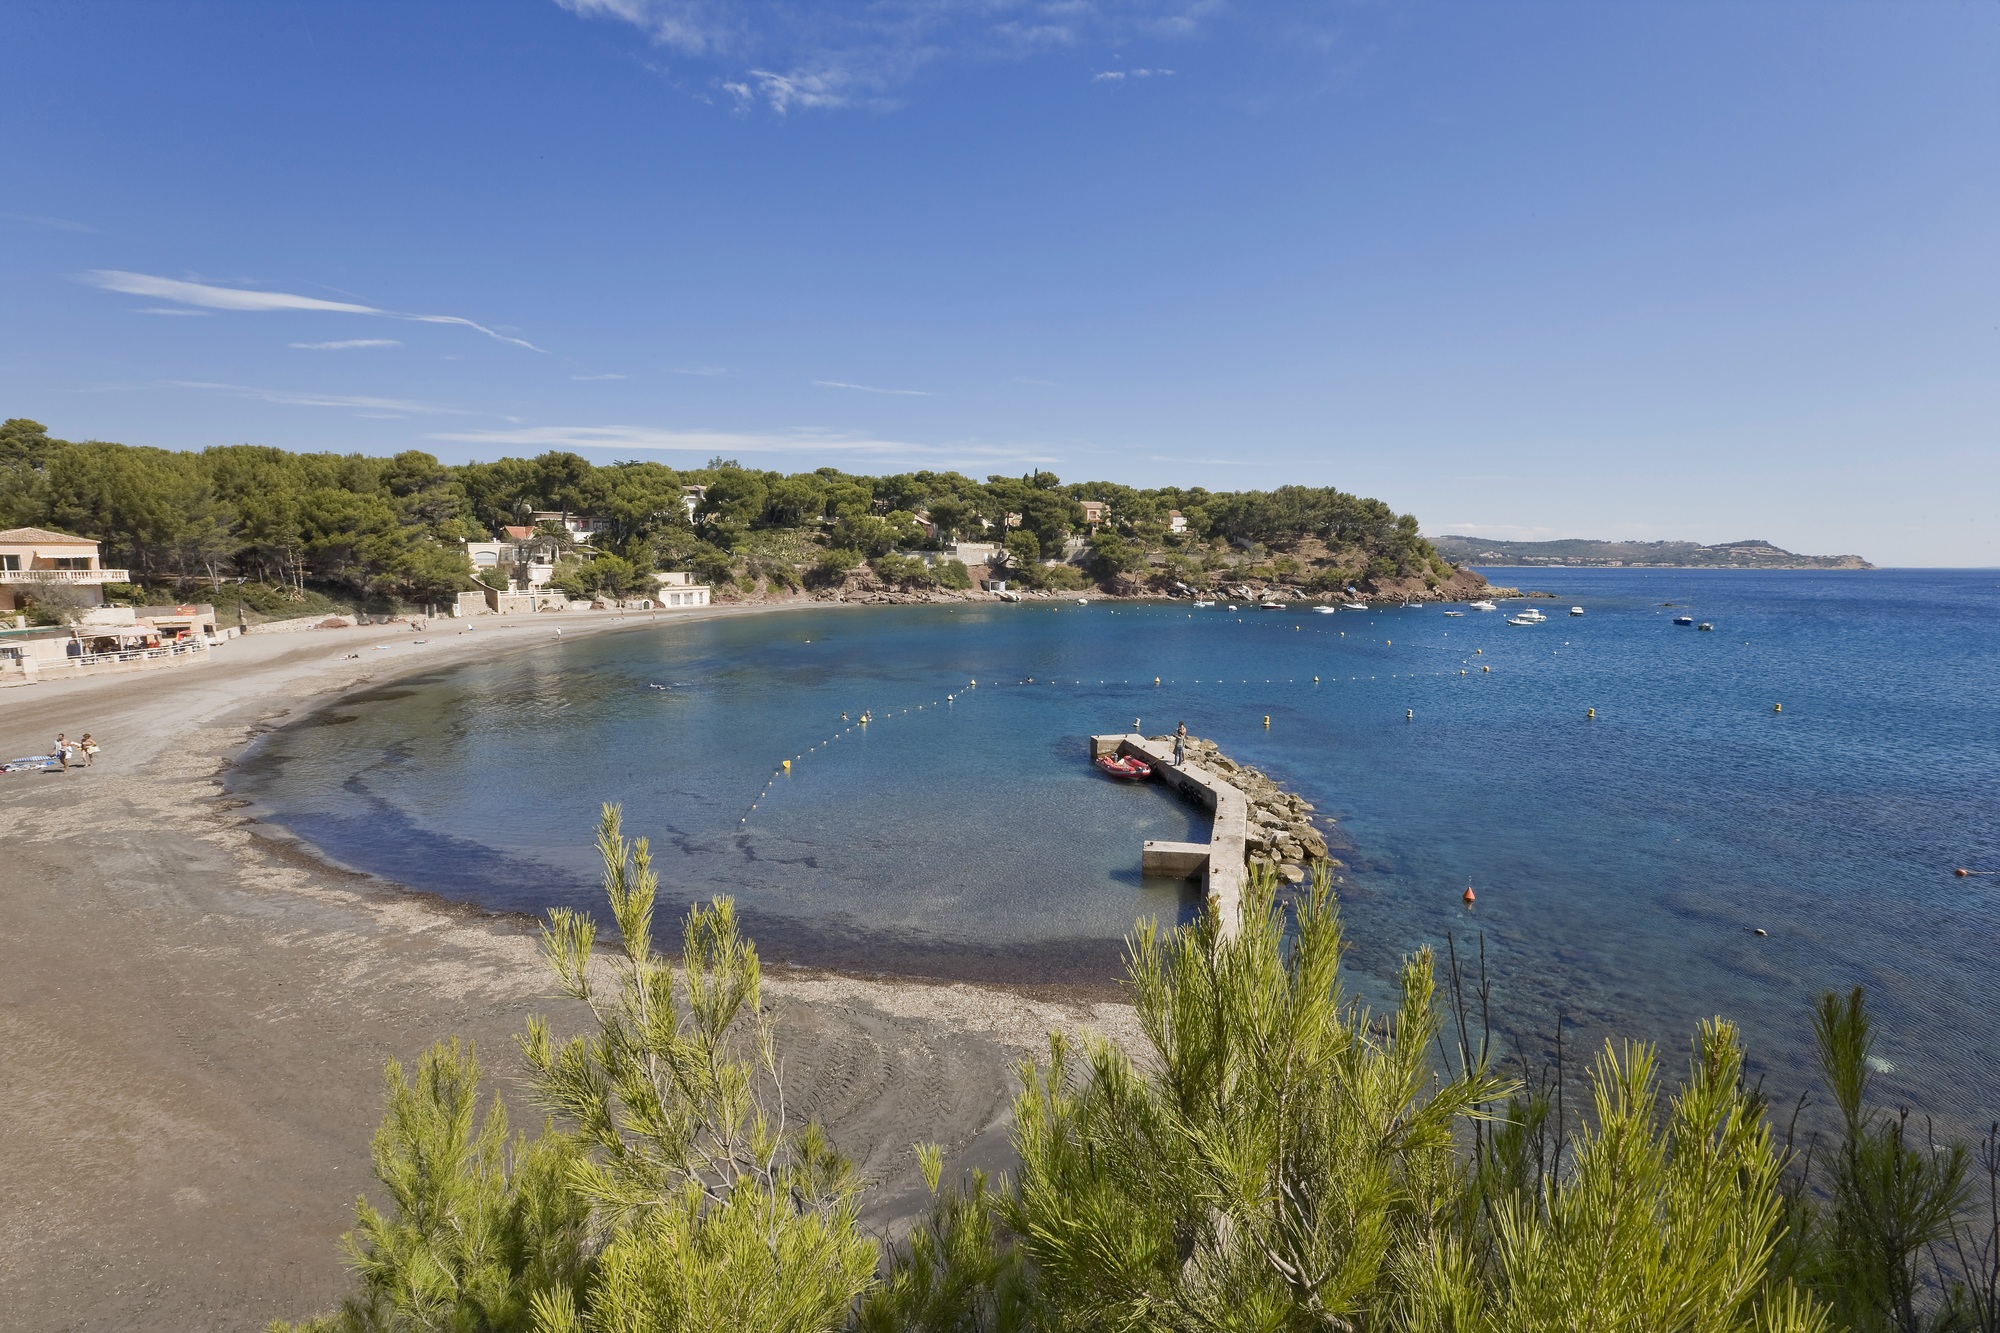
(65, 576)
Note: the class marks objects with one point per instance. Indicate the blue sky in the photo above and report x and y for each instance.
(1620, 269)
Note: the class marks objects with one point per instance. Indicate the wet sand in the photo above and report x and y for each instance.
(195, 1017)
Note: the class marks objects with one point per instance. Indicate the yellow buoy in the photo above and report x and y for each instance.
(1486, 668)
(1591, 713)
(1267, 721)
(1409, 715)
(1156, 680)
(1315, 680)
(788, 765)
(1777, 708)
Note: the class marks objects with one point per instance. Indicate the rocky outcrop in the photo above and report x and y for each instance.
(1280, 833)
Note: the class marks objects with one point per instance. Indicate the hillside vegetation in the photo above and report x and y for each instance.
(371, 530)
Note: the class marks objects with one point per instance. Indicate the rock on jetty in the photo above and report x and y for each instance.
(1280, 831)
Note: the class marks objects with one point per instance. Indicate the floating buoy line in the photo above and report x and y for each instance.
(852, 722)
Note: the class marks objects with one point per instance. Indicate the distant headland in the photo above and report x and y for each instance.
(1583, 551)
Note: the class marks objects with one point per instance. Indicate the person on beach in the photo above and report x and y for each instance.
(62, 751)
(86, 751)
(1180, 745)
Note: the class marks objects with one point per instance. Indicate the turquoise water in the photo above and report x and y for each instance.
(1621, 863)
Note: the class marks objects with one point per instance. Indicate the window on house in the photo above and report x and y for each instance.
(71, 562)
(10, 562)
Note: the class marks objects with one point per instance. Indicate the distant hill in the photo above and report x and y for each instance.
(1581, 551)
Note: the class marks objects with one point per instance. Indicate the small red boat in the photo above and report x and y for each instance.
(1130, 767)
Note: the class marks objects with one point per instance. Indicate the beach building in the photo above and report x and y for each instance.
(521, 559)
(33, 558)
(1095, 513)
(678, 588)
(584, 529)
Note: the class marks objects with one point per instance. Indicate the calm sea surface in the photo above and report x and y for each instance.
(1622, 864)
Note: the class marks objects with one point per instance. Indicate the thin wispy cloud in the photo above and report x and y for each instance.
(52, 224)
(790, 55)
(869, 388)
(169, 310)
(1120, 75)
(704, 371)
(209, 296)
(295, 398)
(346, 344)
(806, 440)
(606, 376)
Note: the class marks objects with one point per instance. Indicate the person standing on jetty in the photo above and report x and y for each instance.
(1180, 745)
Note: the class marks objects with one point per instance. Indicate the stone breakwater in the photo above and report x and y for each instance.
(1279, 832)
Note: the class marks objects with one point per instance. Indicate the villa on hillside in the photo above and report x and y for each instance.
(1095, 512)
(36, 557)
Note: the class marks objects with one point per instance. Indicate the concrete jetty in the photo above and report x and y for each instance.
(1217, 863)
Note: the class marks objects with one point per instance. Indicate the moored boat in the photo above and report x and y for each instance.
(1684, 620)
(1129, 767)
(1482, 606)
(1576, 610)
(1324, 610)
(1354, 606)
(1524, 620)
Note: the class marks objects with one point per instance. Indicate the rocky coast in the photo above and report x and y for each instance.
(1280, 832)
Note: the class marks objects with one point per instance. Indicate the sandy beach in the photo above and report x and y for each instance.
(195, 1017)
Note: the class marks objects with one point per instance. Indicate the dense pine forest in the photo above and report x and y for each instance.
(281, 529)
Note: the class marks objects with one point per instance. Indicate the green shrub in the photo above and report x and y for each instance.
(835, 564)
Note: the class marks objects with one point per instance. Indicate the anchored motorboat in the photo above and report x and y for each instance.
(1684, 620)
(1200, 602)
(1456, 615)
(1482, 606)
(1576, 610)
(1524, 619)
(1704, 625)
(1354, 606)
(1324, 610)
(1129, 767)
(1532, 614)
(1270, 606)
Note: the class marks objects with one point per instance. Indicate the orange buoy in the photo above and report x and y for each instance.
(1469, 896)
(1961, 872)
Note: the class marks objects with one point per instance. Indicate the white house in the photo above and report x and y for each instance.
(678, 588)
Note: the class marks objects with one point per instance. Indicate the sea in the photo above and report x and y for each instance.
(1659, 823)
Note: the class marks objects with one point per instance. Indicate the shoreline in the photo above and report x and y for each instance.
(201, 1013)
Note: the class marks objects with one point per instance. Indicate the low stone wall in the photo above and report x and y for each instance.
(303, 623)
